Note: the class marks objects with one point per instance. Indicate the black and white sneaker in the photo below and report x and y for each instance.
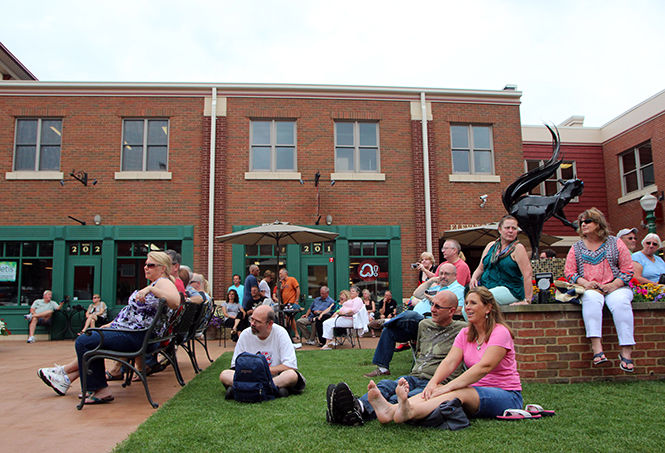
(345, 406)
(329, 399)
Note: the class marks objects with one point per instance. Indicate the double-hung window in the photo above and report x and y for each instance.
(357, 146)
(37, 144)
(566, 171)
(145, 145)
(636, 166)
(472, 149)
(273, 146)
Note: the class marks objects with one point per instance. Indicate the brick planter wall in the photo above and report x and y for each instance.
(552, 346)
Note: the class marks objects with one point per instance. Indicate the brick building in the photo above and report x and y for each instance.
(144, 151)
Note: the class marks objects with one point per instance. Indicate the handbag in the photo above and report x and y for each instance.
(568, 292)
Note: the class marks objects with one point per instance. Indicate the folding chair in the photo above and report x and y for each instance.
(360, 322)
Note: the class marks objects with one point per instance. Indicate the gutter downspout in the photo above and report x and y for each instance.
(428, 209)
(211, 192)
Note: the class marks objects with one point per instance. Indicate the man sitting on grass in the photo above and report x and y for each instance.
(273, 342)
(435, 338)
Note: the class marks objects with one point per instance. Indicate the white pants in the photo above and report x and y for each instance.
(619, 303)
(336, 321)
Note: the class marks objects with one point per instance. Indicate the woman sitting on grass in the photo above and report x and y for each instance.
(489, 386)
(136, 315)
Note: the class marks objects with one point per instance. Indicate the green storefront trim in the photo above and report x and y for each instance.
(107, 234)
(347, 233)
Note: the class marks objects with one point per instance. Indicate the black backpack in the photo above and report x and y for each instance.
(252, 381)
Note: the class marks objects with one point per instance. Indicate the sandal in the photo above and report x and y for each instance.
(95, 400)
(601, 358)
(624, 362)
(110, 377)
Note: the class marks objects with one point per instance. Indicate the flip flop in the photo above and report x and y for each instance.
(88, 394)
(601, 356)
(535, 409)
(623, 362)
(516, 414)
(110, 377)
(94, 400)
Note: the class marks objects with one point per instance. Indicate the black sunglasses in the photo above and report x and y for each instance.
(150, 265)
(588, 221)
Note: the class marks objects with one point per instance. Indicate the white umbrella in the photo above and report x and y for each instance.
(481, 235)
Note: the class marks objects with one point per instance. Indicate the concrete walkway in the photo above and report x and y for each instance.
(35, 419)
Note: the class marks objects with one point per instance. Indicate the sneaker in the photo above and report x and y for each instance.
(402, 347)
(56, 378)
(345, 406)
(329, 400)
(376, 373)
(310, 342)
(28, 317)
(31, 340)
(297, 345)
(282, 392)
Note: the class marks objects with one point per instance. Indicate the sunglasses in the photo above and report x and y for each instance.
(439, 307)
(588, 221)
(150, 265)
(651, 243)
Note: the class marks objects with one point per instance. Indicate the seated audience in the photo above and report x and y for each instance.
(138, 314)
(387, 311)
(435, 338)
(273, 342)
(255, 300)
(370, 304)
(403, 328)
(319, 311)
(491, 383)
(647, 265)
(425, 267)
(96, 312)
(505, 268)
(350, 305)
(233, 313)
(40, 314)
(603, 266)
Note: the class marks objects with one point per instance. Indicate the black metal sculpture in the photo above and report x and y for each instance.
(532, 211)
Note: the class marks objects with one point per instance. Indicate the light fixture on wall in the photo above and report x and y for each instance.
(82, 222)
(328, 219)
(97, 219)
(80, 176)
(649, 203)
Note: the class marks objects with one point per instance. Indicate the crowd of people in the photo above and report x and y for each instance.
(464, 351)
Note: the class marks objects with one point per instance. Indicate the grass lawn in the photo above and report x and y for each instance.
(590, 417)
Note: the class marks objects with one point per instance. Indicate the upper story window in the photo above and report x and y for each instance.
(145, 145)
(567, 170)
(636, 166)
(357, 147)
(273, 146)
(37, 144)
(472, 149)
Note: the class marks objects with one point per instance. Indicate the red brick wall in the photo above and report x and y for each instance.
(629, 214)
(551, 344)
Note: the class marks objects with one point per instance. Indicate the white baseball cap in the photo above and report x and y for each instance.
(625, 231)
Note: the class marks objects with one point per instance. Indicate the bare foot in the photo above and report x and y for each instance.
(383, 409)
(403, 411)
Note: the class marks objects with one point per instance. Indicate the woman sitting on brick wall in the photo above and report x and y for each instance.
(505, 268)
(603, 266)
(489, 386)
(648, 266)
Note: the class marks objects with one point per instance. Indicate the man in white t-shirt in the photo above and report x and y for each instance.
(273, 342)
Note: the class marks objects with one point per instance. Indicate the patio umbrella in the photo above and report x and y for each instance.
(481, 235)
(277, 233)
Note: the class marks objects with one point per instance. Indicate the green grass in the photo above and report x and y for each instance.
(591, 417)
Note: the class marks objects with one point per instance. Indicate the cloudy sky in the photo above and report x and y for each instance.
(593, 58)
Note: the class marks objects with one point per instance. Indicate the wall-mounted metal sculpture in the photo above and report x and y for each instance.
(532, 211)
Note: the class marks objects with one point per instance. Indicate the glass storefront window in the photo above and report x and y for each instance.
(23, 277)
(368, 266)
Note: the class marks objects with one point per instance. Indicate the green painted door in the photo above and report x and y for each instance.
(317, 271)
(83, 279)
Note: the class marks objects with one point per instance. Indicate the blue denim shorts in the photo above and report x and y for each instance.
(493, 401)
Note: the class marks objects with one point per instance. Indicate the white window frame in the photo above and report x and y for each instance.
(273, 147)
(556, 177)
(356, 148)
(144, 160)
(472, 149)
(639, 168)
(38, 146)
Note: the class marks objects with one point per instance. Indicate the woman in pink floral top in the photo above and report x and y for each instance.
(602, 264)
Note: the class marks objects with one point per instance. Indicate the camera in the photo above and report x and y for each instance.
(414, 265)
(431, 292)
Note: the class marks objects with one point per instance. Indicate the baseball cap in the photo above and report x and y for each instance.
(625, 231)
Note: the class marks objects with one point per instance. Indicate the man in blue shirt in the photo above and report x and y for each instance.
(237, 287)
(404, 327)
(319, 311)
(250, 281)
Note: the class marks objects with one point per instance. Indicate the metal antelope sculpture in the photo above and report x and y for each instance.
(532, 211)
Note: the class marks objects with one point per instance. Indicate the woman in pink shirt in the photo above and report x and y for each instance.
(351, 304)
(602, 264)
(491, 383)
